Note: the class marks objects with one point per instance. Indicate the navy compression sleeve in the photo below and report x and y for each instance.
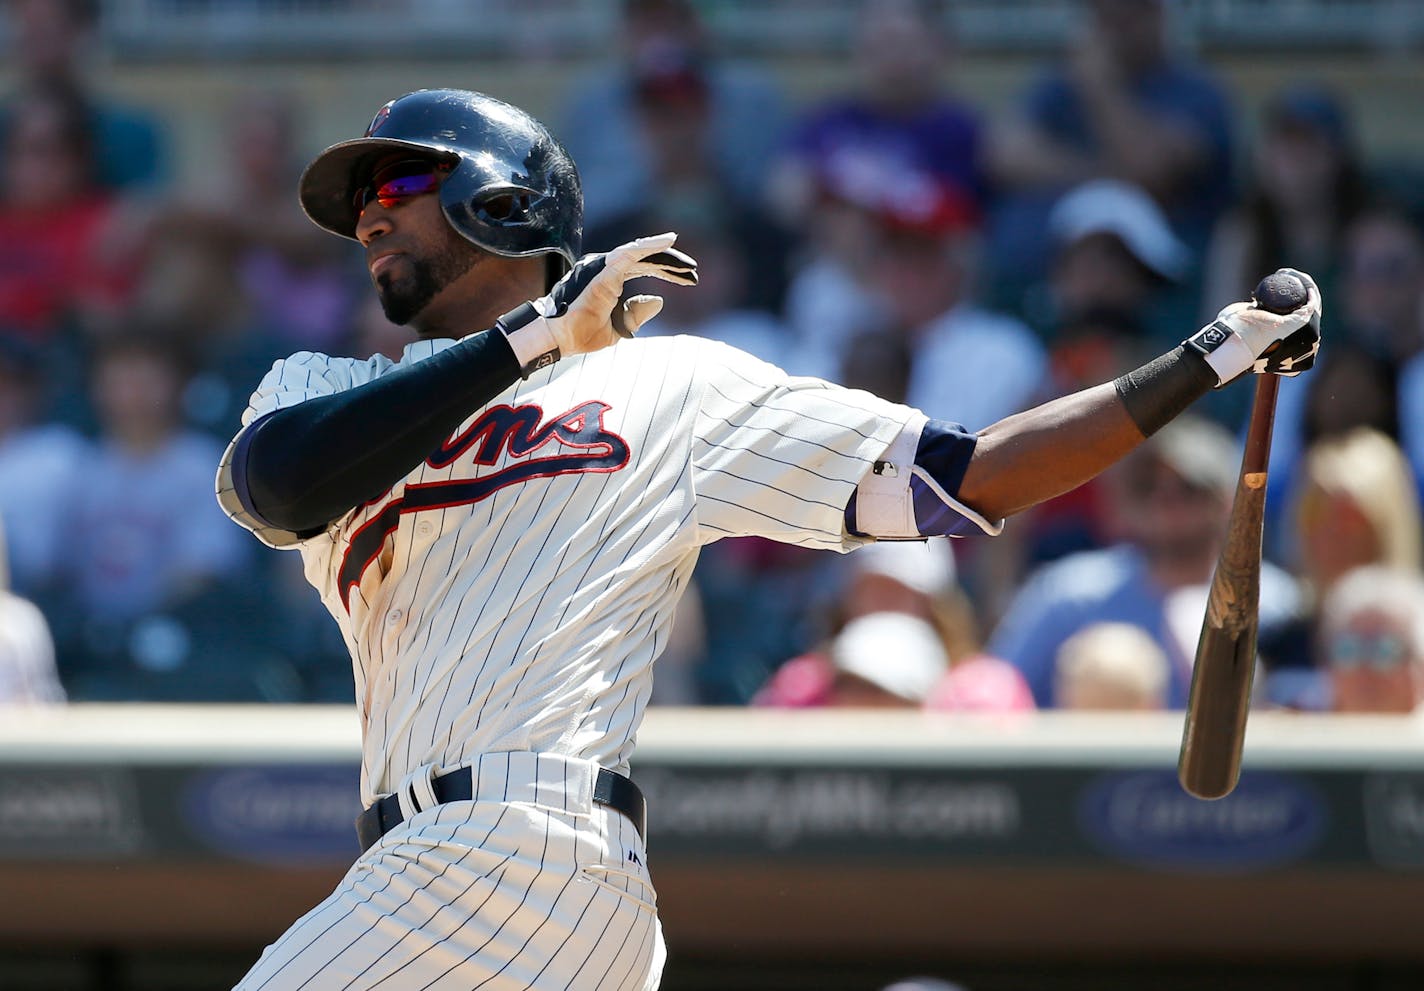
(301, 467)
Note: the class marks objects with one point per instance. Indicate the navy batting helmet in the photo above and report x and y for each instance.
(512, 189)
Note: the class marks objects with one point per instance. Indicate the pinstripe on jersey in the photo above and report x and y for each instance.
(526, 616)
(530, 886)
(503, 605)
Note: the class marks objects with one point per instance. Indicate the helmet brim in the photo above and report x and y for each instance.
(327, 189)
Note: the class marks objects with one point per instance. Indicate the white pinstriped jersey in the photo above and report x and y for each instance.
(512, 591)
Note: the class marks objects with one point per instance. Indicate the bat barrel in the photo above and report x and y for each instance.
(1215, 730)
(1215, 733)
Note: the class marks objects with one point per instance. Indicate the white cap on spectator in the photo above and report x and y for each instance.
(894, 651)
(926, 567)
(1110, 206)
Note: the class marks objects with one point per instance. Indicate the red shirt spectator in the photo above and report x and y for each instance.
(52, 218)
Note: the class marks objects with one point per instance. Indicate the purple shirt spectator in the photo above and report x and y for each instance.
(941, 139)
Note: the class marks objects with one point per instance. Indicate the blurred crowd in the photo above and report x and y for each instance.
(888, 235)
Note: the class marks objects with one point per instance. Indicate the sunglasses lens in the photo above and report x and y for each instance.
(1379, 651)
(399, 182)
(392, 191)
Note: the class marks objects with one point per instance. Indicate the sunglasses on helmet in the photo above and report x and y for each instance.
(399, 182)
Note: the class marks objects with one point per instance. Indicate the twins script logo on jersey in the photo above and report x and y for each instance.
(580, 445)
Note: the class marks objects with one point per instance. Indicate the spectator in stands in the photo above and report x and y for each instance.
(240, 265)
(240, 257)
(1111, 666)
(53, 219)
(53, 43)
(885, 660)
(41, 464)
(1171, 500)
(915, 583)
(1383, 281)
(689, 184)
(141, 528)
(27, 669)
(967, 364)
(1384, 284)
(663, 44)
(964, 362)
(901, 113)
(1373, 375)
(1305, 187)
(1115, 258)
(1373, 643)
(1114, 263)
(981, 683)
(1122, 103)
(901, 129)
(1356, 504)
(717, 307)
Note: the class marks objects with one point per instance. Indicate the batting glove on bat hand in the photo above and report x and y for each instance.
(1244, 337)
(582, 313)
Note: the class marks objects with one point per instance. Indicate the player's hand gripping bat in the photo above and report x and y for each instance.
(1215, 729)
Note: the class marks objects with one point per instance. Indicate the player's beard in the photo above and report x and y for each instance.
(403, 297)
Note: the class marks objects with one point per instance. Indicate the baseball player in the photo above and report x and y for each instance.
(502, 521)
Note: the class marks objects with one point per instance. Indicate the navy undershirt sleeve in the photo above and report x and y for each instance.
(301, 467)
(944, 451)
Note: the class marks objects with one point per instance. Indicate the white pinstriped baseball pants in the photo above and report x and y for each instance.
(529, 887)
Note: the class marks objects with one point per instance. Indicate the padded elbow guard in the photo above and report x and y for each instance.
(910, 493)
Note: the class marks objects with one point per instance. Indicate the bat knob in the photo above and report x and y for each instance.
(1280, 292)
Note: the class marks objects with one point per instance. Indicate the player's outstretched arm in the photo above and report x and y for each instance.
(1033, 456)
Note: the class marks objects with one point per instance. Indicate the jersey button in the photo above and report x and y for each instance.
(393, 616)
(425, 528)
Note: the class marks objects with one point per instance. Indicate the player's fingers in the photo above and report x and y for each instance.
(1311, 289)
(673, 260)
(654, 256)
(636, 250)
(679, 277)
(635, 311)
(666, 263)
(608, 286)
(1249, 314)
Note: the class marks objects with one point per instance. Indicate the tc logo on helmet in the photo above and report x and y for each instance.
(378, 120)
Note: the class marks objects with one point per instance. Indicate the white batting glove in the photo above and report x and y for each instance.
(1245, 337)
(582, 313)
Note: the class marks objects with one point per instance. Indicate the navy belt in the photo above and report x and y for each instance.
(609, 789)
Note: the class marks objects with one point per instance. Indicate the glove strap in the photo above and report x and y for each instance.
(1224, 350)
(529, 337)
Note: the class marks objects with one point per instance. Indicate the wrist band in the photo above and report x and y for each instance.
(1161, 389)
(529, 337)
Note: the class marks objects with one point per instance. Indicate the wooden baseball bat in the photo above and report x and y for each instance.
(1215, 729)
